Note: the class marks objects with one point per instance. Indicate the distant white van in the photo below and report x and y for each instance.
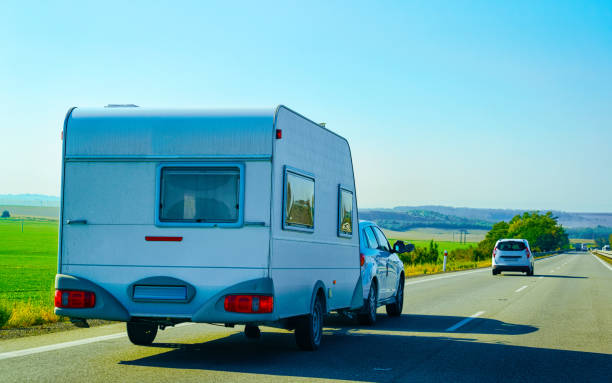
(216, 216)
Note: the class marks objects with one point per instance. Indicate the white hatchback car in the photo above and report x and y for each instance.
(512, 255)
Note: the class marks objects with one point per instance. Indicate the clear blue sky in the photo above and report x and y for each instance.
(483, 104)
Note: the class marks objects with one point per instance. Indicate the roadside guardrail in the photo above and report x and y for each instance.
(547, 253)
(607, 254)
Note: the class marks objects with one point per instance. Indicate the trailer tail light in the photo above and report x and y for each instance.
(74, 299)
(279, 134)
(163, 239)
(249, 304)
(528, 253)
(361, 259)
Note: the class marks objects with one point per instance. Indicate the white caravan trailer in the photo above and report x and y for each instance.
(234, 217)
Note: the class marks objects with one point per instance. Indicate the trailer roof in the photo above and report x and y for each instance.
(144, 132)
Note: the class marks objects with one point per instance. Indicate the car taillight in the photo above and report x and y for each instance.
(361, 259)
(74, 299)
(494, 252)
(250, 304)
(528, 253)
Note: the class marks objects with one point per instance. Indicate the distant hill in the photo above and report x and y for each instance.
(29, 200)
(403, 218)
(567, 219)
(409, 219)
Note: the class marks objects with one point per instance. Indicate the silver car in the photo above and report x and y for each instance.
(382, 273)
(512, 255)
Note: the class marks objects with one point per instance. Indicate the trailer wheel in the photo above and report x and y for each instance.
(309, 328)
(368, 316)
(141, 334)
(395, 309)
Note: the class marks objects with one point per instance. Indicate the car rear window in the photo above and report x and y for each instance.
(511, 246)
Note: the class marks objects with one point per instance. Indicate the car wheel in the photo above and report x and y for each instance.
(495, 272)
(530, 272)
(309, 328)
(252, 332)
(395, 309)
(141, 334)
(368, 316)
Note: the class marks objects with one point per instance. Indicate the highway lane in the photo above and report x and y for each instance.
(467, 326)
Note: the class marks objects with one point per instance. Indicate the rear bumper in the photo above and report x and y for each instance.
(521, 268)
(212, 311)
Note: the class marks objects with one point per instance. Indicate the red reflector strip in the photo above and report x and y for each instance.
(74, 299)
(249, 304)
(163, 239)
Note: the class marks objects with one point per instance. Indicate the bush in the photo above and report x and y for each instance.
(5, 313)
(6, 214)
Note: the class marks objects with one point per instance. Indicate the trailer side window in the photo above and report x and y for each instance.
(345, 212)
(299, 200)
(200, 195)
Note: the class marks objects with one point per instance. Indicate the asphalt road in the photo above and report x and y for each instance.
(470, 326)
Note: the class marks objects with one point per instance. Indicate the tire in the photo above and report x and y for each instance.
(368, 316)
(141, 334)
(309, 328)
(495, 272)
(252, 332)
(395, 309)
(530, 272)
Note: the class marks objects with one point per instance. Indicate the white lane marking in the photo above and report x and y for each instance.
(466, 320)
(602, 262)
(521, 289)
(59, 346)
(458, 274)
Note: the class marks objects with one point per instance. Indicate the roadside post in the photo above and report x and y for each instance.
(445, 256)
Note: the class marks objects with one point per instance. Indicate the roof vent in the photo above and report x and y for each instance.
(121, 106)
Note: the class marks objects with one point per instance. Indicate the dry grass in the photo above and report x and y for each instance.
(25, 314)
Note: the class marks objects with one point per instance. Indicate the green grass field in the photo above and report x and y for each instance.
(28, 263)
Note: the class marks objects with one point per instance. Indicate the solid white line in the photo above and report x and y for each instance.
(521, 289)
(602, 262)
(457, 274)
(59, 346)
(466, 320)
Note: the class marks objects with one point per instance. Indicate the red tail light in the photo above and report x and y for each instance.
(73, 299)
(250, 304)
(494, 252)
(361, 259)
(279, 134)
(528, 253)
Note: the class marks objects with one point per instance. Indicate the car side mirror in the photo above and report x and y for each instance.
(400, 247)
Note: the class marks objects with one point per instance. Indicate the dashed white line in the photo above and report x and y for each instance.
(463, 322)
(59, 346)
(520, 289)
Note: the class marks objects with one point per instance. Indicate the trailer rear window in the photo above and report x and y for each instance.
(299, 201)
(200, 194)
